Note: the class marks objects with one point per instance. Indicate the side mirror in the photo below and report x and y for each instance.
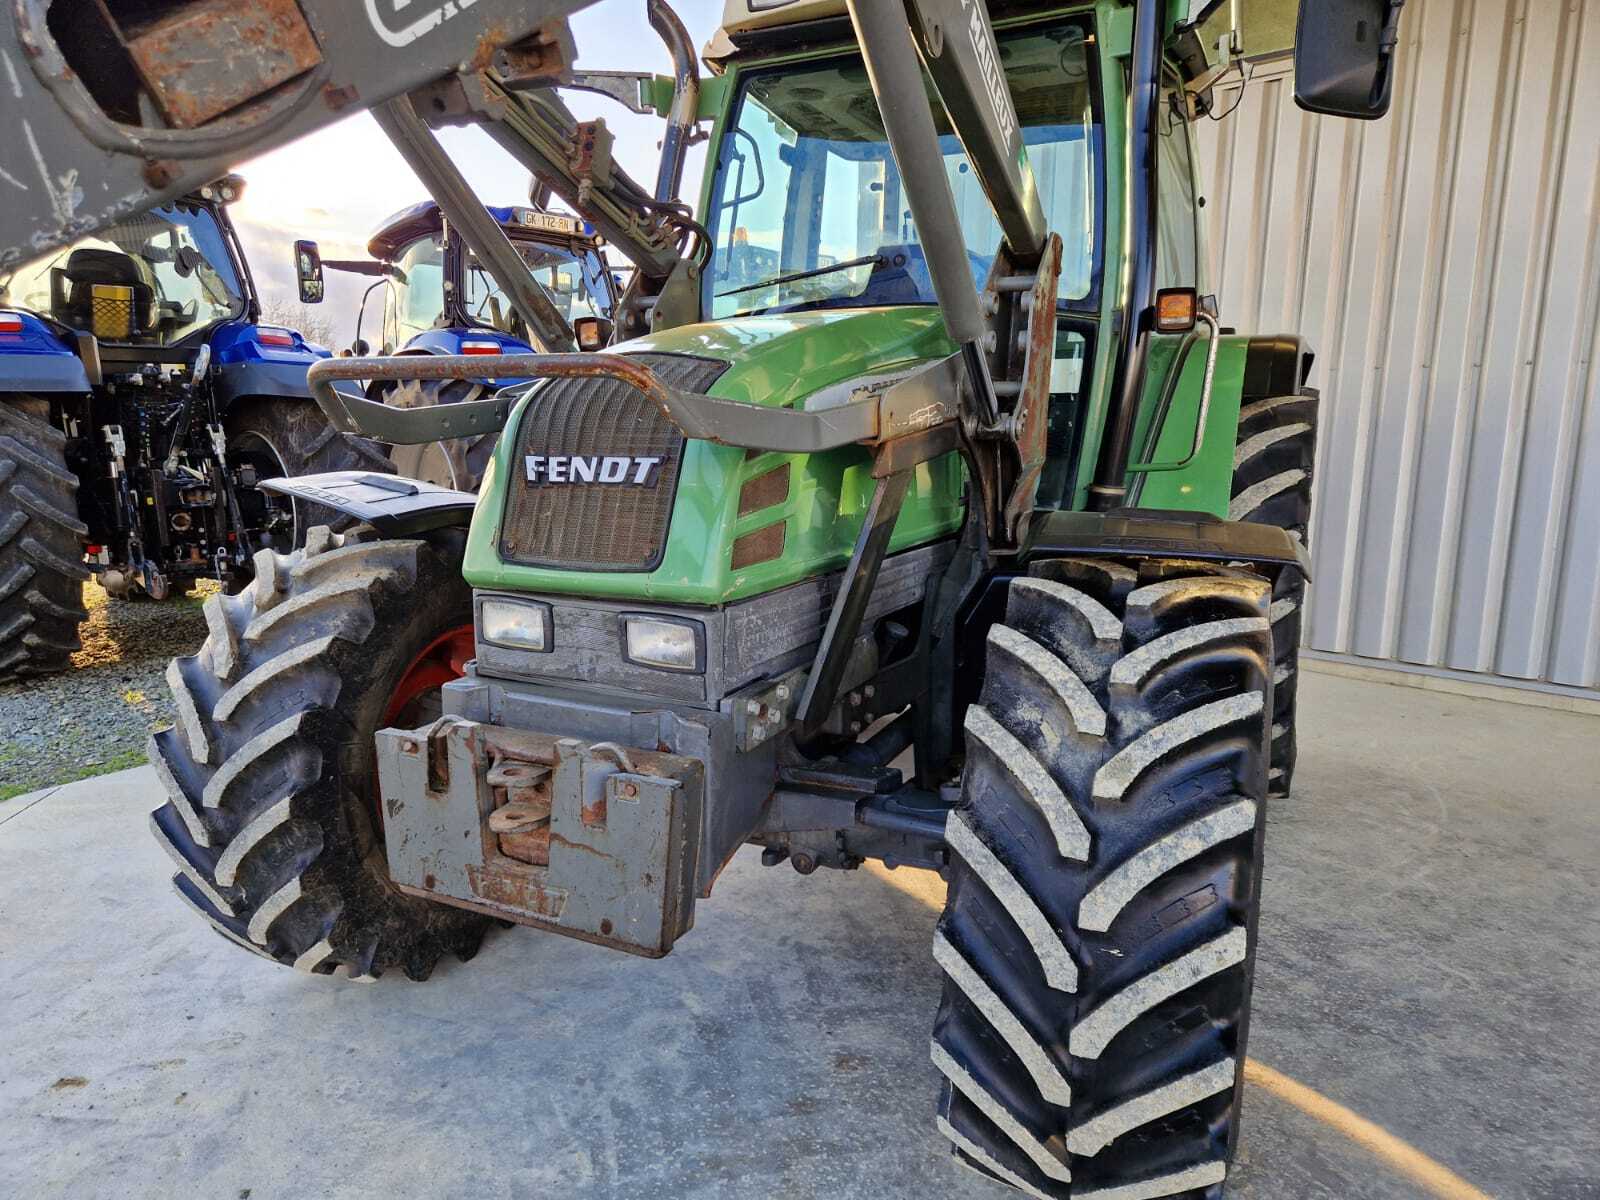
(1344, 56)
(308, 271)
(593, 333)
(359, 348)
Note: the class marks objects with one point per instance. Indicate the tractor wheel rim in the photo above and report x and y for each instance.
(441, 660)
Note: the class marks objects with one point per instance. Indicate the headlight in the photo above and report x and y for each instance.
(669, 645)
(517, 624)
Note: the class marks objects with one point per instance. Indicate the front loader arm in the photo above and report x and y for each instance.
(1006, 335)
(573, 158)
(84, 148)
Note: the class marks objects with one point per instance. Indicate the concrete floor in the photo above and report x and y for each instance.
(1430, 960)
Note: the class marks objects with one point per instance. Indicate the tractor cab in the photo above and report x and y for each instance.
(438, 298)
(136, 352)
(154, 279)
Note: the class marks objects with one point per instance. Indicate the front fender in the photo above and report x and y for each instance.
(285, 381)
(1152, 533)
(396, 507)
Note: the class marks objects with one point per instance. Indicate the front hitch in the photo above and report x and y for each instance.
(589, 839)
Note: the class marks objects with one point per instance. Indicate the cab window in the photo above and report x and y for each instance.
(1177, 241)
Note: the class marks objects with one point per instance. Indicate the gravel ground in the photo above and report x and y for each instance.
(96, 717)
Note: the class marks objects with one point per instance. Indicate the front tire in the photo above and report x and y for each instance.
(1273, 464)
(41, 544)
(1098, 939)
(271, 769)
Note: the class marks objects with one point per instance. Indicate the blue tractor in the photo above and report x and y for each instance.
(439, 299)
(142, 402)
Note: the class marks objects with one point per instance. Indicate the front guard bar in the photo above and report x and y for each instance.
(910, 406)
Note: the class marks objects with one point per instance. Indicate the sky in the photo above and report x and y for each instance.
(338, 184)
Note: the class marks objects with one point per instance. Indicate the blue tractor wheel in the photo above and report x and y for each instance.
(41, 543)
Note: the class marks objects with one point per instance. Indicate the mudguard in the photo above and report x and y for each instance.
(396, 507)
(449, 341)
(244, 365)
(38, 360)
(1276, 365)
(1164, 534)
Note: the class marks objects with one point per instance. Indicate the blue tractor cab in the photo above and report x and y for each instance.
(142, 401)
(438, 299)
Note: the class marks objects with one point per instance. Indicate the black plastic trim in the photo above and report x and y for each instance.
(1166, 534)
(393, 505)
(1276, 365)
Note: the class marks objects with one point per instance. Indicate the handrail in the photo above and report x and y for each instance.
(1205, 407)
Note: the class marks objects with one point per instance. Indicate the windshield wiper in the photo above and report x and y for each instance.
(875, 259)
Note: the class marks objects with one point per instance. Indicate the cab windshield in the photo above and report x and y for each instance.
(559, 272)
(807, 207)
(574, 283)
(156, 277)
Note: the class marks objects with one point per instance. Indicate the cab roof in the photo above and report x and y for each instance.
(424, 217)
(752, 23)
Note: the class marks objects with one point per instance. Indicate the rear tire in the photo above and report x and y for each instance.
(457, 463)
(1098, 940)
(1272, 483)
(271, 771)
(303, 442)
(41, 544)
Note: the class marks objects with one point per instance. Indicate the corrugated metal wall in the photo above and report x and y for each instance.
(1445, 264)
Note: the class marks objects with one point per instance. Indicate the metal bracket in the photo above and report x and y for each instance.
(850, 604)
(619, 865)
(763, 715)
(627, 88)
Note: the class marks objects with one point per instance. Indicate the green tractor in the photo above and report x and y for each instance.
(920, 511)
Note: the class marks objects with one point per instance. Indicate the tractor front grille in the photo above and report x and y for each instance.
(598, 526)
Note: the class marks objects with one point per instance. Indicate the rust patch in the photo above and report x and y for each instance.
(1031, 416)
(514, 886)
(557, 839)
(489, 42)
(337, 98)
(206, 59)
(531, 846)
(69, 1081)
(160, 172)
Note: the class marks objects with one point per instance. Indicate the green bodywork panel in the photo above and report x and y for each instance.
(1205, 483)
(776, 361)
(783, 360)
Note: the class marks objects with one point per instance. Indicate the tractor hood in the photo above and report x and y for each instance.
(740, 523)
(783, 359)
